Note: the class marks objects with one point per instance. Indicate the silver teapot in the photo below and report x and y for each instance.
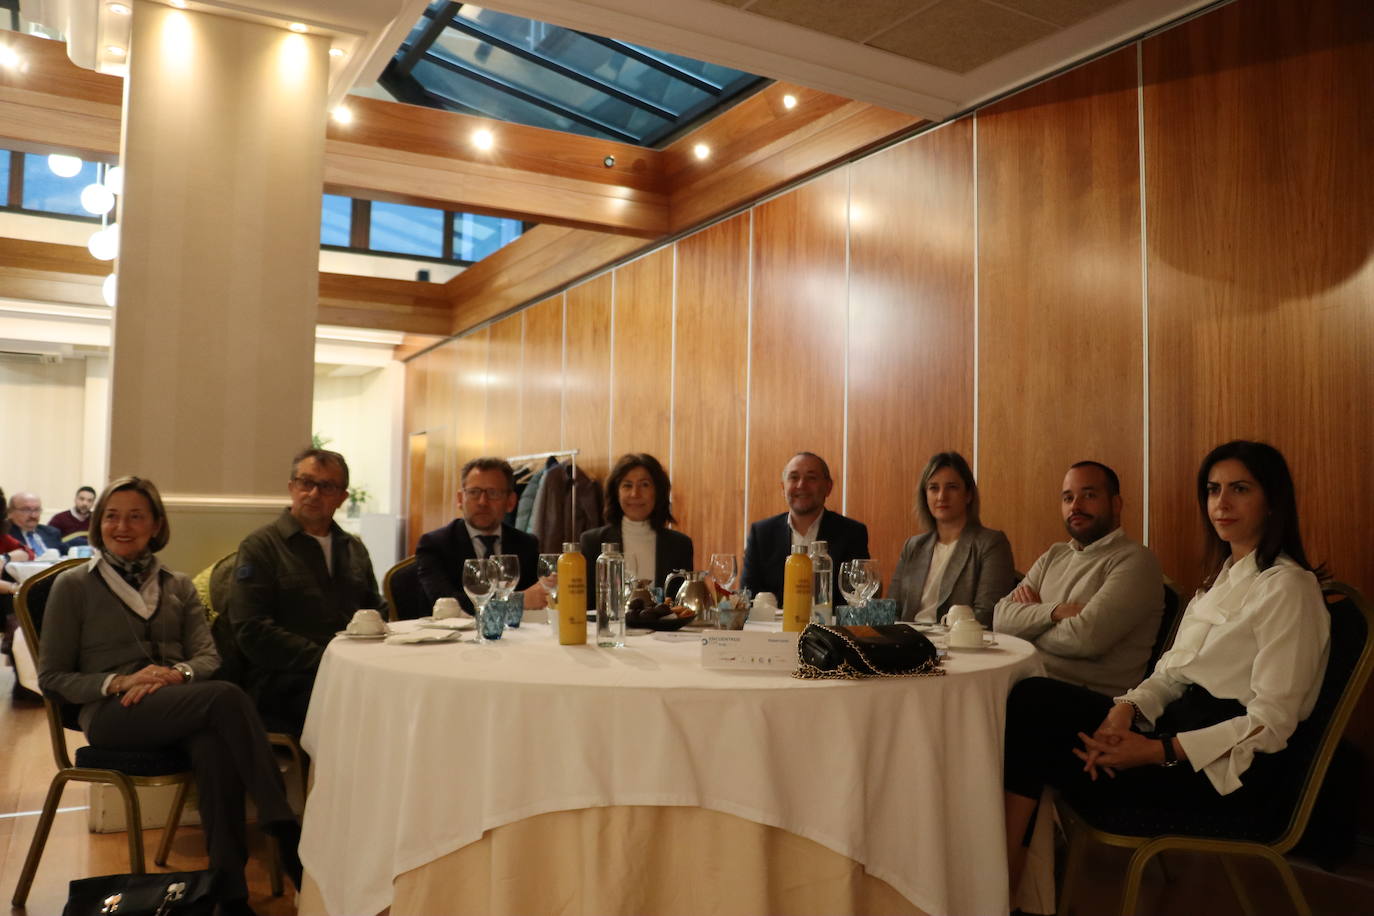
(693, 594)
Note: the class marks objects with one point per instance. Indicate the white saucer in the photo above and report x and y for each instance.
(347, 635)
(985, 645)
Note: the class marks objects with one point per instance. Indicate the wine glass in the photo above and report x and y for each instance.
(508, 568)
(871, 581)
(548, 577)
(628, 579)
(723, 570)
(479, 581)
(851, 582)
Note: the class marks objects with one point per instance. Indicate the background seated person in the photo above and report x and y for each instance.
(24, 511)
(639, 508)
(297, 582)
(806, 484)
(126, 639)
(956, 560)
(488, 493)
(1091, 605)
(1244, 670)
(78, 517)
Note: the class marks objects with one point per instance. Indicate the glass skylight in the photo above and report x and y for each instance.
(462, 57)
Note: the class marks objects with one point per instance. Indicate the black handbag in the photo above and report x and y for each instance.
(179, 893)
(889, 650)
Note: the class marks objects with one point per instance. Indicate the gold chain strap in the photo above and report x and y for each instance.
(846, 671)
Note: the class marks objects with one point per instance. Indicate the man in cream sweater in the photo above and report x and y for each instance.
(1092, 605)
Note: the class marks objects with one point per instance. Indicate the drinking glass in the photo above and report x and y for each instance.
(724, 569)
(548, 577)
(852, 582)
(508, 573)
(479, 581)
(871, 580)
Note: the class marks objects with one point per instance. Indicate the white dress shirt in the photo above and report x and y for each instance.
(1258, 637)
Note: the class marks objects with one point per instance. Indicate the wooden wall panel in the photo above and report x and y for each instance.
(1060, 365)
(503, 385)
(470, 396)
(541, 378)
(910, 327)
(1260, 275)
(642, 383)
(796, 389)
(711, 384)
(587, 378)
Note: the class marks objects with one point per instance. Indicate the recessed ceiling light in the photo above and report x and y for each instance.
(179, 4)
(701, 151)
(9, 58)
(336, 52)
(483, 139)
(342, 114)
(297, 27)
(119, 9)
(789, 101)
(114, 50)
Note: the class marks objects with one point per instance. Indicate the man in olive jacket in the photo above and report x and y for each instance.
(297, 582)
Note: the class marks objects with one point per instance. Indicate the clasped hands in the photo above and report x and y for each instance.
(132, 688)
(1024, 594)
(1114, 746)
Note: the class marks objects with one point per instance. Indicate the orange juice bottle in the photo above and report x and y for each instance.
(572, 596)
(796, 591)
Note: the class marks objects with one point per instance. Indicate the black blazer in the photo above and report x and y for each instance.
(440, 554)
(770, 541)
(672, 550)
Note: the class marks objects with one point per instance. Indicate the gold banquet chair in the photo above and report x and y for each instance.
(405, 596)
(1347, 670)
(125, 770)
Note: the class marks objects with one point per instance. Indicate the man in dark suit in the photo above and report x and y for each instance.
(24, 511)
(488, 493)
(806, 484)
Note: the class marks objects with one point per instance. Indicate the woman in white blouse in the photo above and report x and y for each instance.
(956, 560)
(1205, 731)
(639, 509)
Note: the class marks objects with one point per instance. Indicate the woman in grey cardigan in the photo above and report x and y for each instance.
(956, 560)
(126, 639)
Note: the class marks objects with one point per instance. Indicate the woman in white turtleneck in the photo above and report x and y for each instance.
(638, 508)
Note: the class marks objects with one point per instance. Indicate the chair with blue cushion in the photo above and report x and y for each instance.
(1270, 833)
(125, 770)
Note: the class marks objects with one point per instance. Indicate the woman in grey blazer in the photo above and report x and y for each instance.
(956, 560)
(126, 639)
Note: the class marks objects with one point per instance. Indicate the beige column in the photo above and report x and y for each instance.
(214, 328)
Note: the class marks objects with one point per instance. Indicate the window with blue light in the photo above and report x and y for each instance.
(406, 229)
(336, 221)
(48, 192)
(5, 157)
(475, 237)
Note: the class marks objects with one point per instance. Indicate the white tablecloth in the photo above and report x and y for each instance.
(418, 750)
(24, 668)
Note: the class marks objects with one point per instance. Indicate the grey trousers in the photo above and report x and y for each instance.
(216, 724)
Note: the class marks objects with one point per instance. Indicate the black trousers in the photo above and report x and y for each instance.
(215, 722)
(1044, 717)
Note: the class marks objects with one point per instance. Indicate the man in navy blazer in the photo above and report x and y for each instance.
(24, 511)
(488, 493)
(806, 484)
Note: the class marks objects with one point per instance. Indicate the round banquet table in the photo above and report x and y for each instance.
(478, 759)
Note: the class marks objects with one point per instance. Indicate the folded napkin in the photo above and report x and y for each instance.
(418, 636)
(448, 623)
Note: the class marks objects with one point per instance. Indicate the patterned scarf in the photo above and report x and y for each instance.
(135, 571)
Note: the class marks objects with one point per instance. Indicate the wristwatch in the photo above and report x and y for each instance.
(186, 671)
(1170, 758)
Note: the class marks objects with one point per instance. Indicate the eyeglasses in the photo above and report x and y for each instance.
(326, 487)
(491, 493)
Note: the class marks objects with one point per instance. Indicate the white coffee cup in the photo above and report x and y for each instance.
(957, 613)
(366, 622)
(764, 608)
(966, 634)
(445, 608)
